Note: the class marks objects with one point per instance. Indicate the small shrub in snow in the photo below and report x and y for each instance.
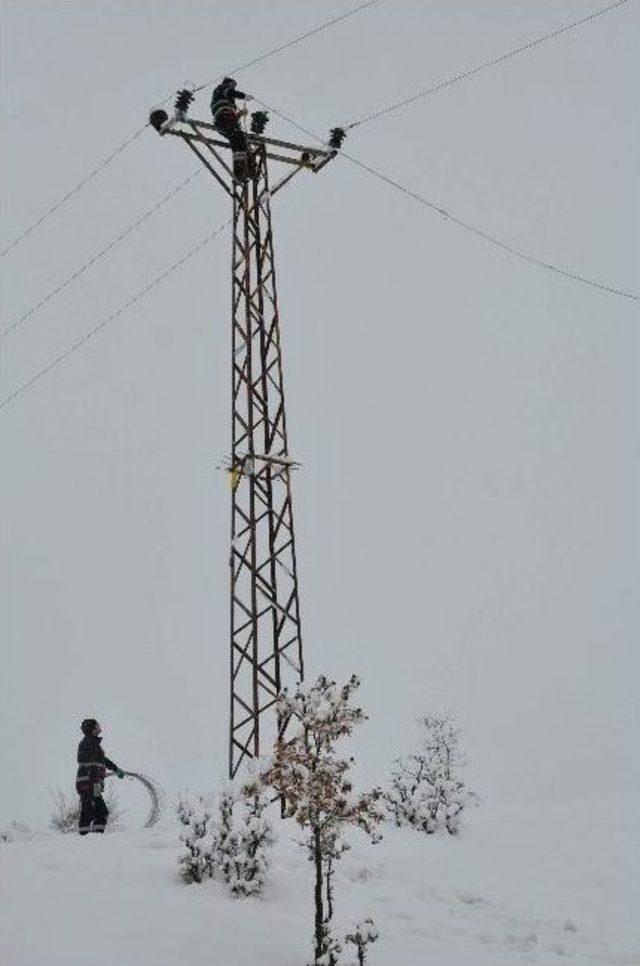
(427, 791)
(65, 812)
(195, 861)
(225, 845)
(253, 842)
(234, 845)
(364, 934)
(313, 781)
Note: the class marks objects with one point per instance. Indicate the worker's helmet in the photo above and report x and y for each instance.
(229, 80)
(88, 725)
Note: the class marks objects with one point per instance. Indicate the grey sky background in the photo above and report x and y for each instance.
(467, 510)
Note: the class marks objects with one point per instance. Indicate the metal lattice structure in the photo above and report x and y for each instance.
(265, 632)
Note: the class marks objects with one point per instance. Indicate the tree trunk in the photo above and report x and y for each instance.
(319, 918)
(329, 887)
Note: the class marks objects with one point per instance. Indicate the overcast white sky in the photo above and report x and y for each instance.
(467, 511)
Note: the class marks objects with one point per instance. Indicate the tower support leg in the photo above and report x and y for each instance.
(266, 641)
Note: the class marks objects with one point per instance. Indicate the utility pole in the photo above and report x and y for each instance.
(265, 629)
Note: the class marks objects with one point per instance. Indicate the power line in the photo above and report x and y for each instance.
(485, 65)
(290, 43)
(112, 244)
(310, 33)
(475, 230)
(110, 318)
(488, 237)
(125, 144)
(421, 199)
(84, 181)
(464, 75)
(134, 225)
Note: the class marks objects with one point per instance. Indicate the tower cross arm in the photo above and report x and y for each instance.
(288, 152)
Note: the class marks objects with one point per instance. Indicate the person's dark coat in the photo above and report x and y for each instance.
(92, 766)
(223, 100)
(226, 122)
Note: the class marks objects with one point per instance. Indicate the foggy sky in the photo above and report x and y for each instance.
(467, 424)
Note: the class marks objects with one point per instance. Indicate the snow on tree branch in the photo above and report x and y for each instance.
(234, 846)
(313, 781)
(364, 935)
(427, 791)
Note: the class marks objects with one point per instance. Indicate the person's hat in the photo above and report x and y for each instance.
(88, 725)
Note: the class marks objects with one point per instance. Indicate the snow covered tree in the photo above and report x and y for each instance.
(313, 782)
(195, 861)
(364, 934)
(226, 842)
(427, 791)
(253, 841)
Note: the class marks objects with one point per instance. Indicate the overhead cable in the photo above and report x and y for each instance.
(484, 65)
(119, 150)
(112, 244)
(83, 181)
(475, 230)
(488, 237)
(92, 333)
(290, 43)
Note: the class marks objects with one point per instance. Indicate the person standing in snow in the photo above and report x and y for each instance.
(226, 120)
(92, 768)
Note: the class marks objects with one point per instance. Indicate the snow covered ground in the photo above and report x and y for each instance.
(554, 884)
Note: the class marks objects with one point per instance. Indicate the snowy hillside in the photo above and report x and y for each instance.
(552, 885)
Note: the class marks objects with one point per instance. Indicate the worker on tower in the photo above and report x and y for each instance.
(92, 768)
(226, 120)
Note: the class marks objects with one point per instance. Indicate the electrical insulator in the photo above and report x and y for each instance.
(183, 100)
(259, 121)
(336, 137)
(157, 119)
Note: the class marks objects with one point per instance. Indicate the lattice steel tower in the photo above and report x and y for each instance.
(265, 632)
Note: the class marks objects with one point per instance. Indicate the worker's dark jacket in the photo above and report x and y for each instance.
(92, 766)
(223, 99)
